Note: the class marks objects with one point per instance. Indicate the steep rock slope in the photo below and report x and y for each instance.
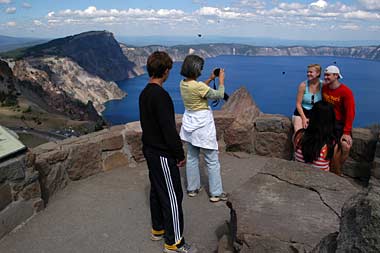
(64, 75)
(63, 86)
(97, 52)
(8, 93)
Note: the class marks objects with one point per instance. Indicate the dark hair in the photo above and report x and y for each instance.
(157, 63)
(192, 66)
(319, 132)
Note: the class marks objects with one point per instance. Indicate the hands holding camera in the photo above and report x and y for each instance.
(218, 72)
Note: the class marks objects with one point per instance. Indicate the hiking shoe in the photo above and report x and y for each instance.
(222, 197)
(185, 248)
(157, 235)
(195, 192)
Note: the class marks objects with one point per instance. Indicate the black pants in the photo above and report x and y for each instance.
(165, 196)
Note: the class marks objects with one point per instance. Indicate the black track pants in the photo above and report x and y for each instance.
(165, 196)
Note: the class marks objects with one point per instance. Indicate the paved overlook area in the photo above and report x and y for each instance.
(109, 212)
(96, 190)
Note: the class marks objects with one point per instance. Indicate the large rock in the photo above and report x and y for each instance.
(273, 136)
(288, 207)
(239, 135)
(360, 224)
(362, 154)
(327, 245)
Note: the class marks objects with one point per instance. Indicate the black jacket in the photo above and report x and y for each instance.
(158, 122)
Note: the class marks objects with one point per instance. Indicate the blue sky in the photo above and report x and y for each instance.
(286, 19)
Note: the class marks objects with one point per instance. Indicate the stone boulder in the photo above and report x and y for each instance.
(362, 154)
(273, 135)
(287, 207)
(376, 163)
(360, 223)
(239, 135)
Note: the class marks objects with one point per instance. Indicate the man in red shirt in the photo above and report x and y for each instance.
(341, 97)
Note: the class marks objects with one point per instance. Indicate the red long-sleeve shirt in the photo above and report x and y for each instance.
(344, 105)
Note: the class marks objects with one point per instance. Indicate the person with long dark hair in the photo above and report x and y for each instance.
(317, 144)
(198, 127)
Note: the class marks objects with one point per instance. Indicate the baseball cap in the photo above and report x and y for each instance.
(333, 70)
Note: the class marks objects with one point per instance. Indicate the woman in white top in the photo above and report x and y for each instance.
(198, 127)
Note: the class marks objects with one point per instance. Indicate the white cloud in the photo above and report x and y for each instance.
(283, 16)
(26, 5)
(5, 1)
(11, 23)
(374, 28)
(256, 4)
(370, 4)
(364, 15)
(93, 12)
(10, 10)
(291, 6)
(37, 22)
(225, 13)
(320, 4)
(352, 27)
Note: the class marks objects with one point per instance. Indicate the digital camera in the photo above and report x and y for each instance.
(216, 71)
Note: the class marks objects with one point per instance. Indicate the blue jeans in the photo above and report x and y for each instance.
(213, 167)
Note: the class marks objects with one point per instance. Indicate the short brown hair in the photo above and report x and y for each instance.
(158, 62)
(317, 67)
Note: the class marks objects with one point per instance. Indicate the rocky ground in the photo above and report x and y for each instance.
(109, 212)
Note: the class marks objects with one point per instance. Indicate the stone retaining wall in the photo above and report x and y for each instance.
(28, 181)
(20, 192)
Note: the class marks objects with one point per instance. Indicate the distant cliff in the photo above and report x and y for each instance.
(72, 75)
(96, 52)
(138, 55)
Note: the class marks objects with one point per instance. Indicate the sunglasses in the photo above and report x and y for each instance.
(312, 99)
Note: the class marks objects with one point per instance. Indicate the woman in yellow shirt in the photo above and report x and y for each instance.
(198, 127)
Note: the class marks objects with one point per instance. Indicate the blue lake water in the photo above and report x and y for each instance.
(272, 82)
